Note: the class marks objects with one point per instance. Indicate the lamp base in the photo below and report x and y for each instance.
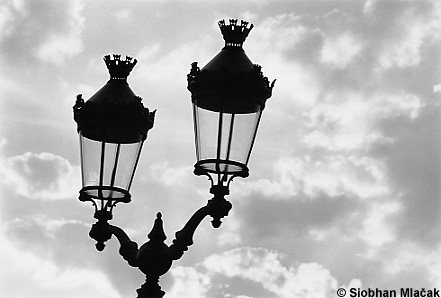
(150, 289)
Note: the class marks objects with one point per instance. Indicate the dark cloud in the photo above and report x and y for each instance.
(41, 176)
(414, 163)
(264, 219)
(33, 24)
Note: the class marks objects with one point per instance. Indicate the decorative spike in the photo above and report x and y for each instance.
(157, 233)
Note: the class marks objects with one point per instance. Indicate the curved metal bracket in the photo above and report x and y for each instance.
(128, 248)
(218, 207)
(154, 258)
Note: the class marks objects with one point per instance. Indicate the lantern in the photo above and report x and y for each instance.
(112, 126)
(228, 96)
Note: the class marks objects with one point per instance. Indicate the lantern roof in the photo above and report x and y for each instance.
(230, 74)
(114, 108)
(117, 90)
(232, 57)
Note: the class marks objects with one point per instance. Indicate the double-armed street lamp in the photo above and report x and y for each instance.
(228, 97)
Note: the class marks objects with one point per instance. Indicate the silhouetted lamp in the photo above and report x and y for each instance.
(228, 97)
(112, 125)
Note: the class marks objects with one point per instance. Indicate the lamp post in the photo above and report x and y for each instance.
(228, 97)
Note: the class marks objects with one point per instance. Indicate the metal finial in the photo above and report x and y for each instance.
(235, 34)
(157, 233)
(119, 69)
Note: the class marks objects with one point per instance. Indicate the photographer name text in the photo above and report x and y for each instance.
(403, 292)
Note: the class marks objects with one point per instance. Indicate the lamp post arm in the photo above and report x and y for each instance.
(129, 249)
(218, 207)
(184, 237)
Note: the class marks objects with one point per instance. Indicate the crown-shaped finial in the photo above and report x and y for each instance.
(119, 69)
(235, 34)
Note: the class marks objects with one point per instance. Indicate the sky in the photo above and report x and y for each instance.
(344, 186)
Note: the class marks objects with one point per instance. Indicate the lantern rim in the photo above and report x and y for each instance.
(85, 195)
(200, 170)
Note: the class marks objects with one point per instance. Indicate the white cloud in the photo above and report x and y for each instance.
(169, 175)
(350, 121)
(188, 283)
(9, 12)
(123, 15)
(369, 6)
(229, 234)
(271, 45)
(262, 267)
(340, 51)
(265, 268)
(377, 229)
(415, 29)
(57, 47)
(407, 257)
(6, 18)
(61, 45)
(333, 175)
(172, 64)
(41, 176)
(51, 226)
(44, 279)
(406, 52)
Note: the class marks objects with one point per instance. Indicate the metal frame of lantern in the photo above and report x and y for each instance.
(154, 258)
(230, 86)
(112, 124)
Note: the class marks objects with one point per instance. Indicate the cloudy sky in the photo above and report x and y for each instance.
(344, 187)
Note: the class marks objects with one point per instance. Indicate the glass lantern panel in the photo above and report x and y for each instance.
(239, 138)
(108, 167)
(224, 137)
(206, 133)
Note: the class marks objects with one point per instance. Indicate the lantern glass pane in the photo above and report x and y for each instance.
(224, 139)
(206, 133)
(108, 168)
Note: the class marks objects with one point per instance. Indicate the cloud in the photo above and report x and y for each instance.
(417, 25)
(235, 272)
(330, 175)
(48, 30)
(6, 17)
(188, 283)
(377, 228)
(61, 45)
(168, 175)
(45, 279)
(276, 44)
(42, 176)
(230, 233)
(347, 122)
(340, 51)
(413, 162)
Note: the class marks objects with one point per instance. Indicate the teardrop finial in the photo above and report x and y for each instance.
(235, 34)
(119, 69)
(157, 233)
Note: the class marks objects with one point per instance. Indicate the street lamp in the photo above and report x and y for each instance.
(228, 97)
(112, 126)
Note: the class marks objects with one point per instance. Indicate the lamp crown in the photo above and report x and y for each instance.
(235, 34)
(119, 69)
